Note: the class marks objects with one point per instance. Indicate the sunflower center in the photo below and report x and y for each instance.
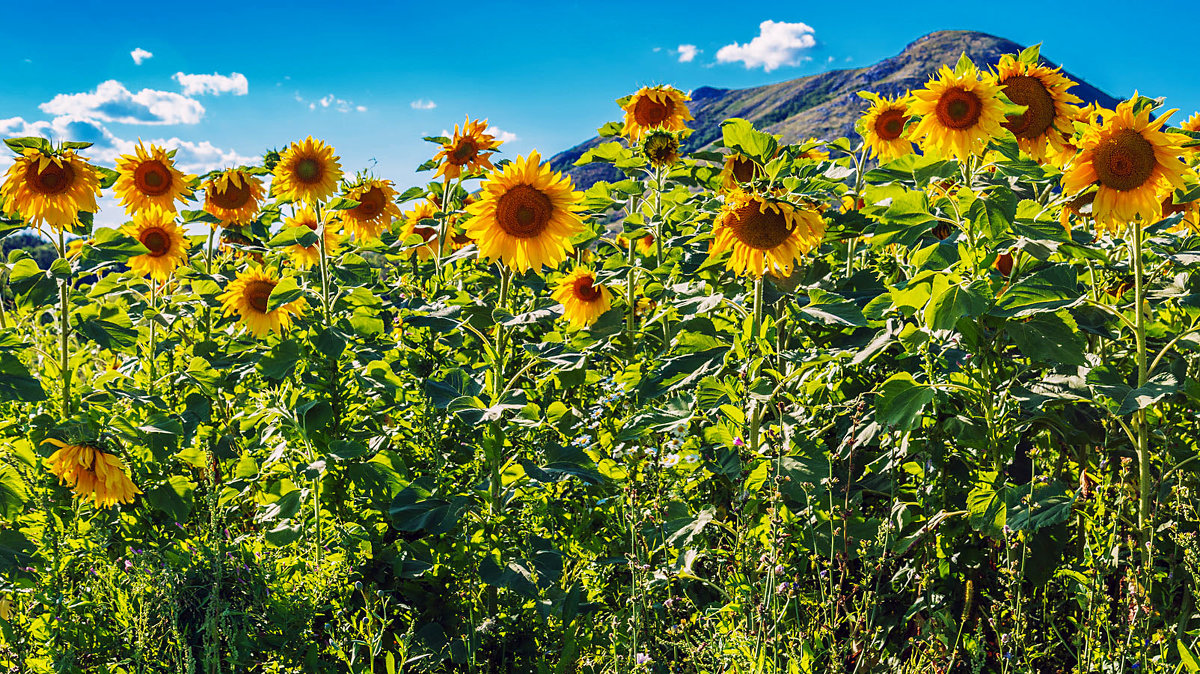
(524, 211)
(370, 204)
(1124, 161)
(759, 230)
(1039, 113)
(157, 241)
(890, 124)
(743, 169)
(152, 178)
(232, 197)
(256, 294)
(54, 180)
(308, 170)
(465, 151)
(959, 109)
(586, 290)
(649, 112)
(426, 233)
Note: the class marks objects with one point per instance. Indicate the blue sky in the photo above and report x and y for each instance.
(363, 75)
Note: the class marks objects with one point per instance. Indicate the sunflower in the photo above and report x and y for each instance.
(247, 296)
(157, 230)
(50, 188)
(424, 210)
(816, 151)
(959, 113)
(656, 108)
(376, 209)
(91, 473)
(661, 147)
(583, 300)
(738, 170)
(882, 128)
(148, 179)
(233, 196)
(307, 256)
(307, 172)
(1049, 108)
(1132, 162)
(1191, 214)
(765, 235)
(470, 149)
(1192, 124)
(645, 244)
(527, 215)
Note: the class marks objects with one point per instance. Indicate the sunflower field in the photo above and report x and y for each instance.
(926, 399)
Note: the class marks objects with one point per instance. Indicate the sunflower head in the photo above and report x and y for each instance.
(423, 212)
(764, 234)
(307, 256)
(308, 172)
(48, 187)
(1131, 162)
(1049, 109)
(583, 299)
(658, 107)
(882, 127)
(661, 147)
(1190, 223)
(1192, 124)
(148, 179)
(527, 215)
(376, 209)
(468, 150)
(645, 244)
(814, 150)
(249, 297)
(738, 170)
(959, 112)
(91, 473)
(233, 196)
(157, 230)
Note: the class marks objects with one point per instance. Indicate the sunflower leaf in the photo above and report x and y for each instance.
(342, 204)
(285, 291)
(19, 145)
(293, 236)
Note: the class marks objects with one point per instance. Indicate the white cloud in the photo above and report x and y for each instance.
(215, 84)
(500, 134)
(331, 101)
(360, 108)
(112, 102)
(687, 52)
(423, 104)
(778, 43)
(140, 55)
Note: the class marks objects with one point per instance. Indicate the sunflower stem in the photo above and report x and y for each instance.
(630, 303)
(153, 332)
(64, 292)
(1139, 420)
(208, 253)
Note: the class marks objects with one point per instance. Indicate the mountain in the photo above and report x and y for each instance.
(825, 105)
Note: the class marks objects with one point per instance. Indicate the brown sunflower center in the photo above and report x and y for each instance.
(465, 151)
(586, 290)
(759, 230)
(152, 178)
(1124, 161)
(959, 109)
(308, 170)
(370, 204)
(232, 197)
(53, 180)
(524, 211)
(890, 124)
(157, 241)
(426, 233)
(256, 294)
(743, 169)
(662, 149)
(649, 112)
(1039, 113)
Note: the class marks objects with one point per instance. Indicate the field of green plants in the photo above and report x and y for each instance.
(925, 399)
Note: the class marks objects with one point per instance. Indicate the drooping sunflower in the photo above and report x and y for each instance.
(764, 234)
(583, 299)
(149, 179)
(50, 188)
(527, 215)
(470, 149)
(738, 170)
(307, 256)
(375, 212)
(658, 107)
(1132, 163)
(1049, 108)
(661, 147)
(91, 473)
(233, 196)
(882, 128)
(959, 113)
(247, 296)
(157, 230)
(307, 172)
(424, 210)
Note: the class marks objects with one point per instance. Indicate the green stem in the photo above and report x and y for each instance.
(208, 260)
(1139, 298)
(64, 296)
(153, 333)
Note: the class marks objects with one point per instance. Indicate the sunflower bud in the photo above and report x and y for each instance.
(661, 147)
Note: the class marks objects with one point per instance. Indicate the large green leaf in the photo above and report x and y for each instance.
(901, 400)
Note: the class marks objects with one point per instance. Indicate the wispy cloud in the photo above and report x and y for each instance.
(687, 52)
(423, 104)
(139, 55)
(195, 85)
(501, 135)
(778, 43)
(332, 102)
(112, 102)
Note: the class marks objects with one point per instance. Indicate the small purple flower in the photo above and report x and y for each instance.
(643, 659)
(738, 442)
